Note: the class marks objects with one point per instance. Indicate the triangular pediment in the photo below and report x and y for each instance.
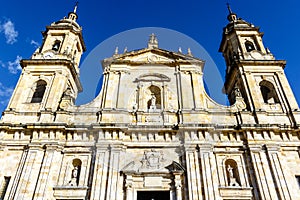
(152, 56)
(149, 57)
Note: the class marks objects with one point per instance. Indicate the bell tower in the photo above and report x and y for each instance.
(51, 73)
(253, 72)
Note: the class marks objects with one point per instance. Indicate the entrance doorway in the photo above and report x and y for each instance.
(153, 195)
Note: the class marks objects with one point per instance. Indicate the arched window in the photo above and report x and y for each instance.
(232, 173)
(249, 46)
(39, 91)
(75, 175)
(268, 92)
(155, 101)
(56, 45)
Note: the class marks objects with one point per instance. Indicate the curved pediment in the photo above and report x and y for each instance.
(153, 77)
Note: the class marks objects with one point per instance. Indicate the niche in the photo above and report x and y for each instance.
(232, 174)
(155, 101)
(76, 165)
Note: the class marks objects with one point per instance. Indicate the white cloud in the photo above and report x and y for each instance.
(35, 44)
(14, 67)
(5, 93)
(8, 28)
(2, 64)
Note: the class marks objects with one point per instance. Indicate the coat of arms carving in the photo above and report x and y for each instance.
(152, 159)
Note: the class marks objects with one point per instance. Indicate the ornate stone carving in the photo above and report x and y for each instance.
(153, 118)
(66, 100)
(232, 179)
(74, 177)
(152, 159)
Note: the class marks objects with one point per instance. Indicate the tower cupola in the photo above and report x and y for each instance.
(50, 80)
(72, 15)
(63, 40)
(253, 73)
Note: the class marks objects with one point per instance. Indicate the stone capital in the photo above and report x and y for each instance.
(273, 147)
(35, 146)
(54, 147)
(255, 147)
(190, 147)
(205, 148)
(102, 147)
(116, 147)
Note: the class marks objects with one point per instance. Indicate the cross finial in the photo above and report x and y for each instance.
(229, 9)
(76, 5)
(152, 43)
(232, 16)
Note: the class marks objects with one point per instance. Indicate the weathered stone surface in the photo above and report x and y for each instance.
(152, 127)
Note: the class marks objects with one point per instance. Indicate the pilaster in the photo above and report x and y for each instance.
(209, 172)
(277, 170)
(30, 172)
(262, 171)
(98, 188)
(178, 185)
(113, 186)
(49, 166)
(193, 172)
(128, 186)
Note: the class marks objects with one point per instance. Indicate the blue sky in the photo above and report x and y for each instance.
(21, 23)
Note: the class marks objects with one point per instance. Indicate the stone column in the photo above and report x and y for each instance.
(178, 185)
(209, 172)
(45, 182)
(98, 188)
(128, 185)
(262, 173)
(30, 172)
(193, 173)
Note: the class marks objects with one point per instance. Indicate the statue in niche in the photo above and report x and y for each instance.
(237, 92)
(152, 102)
(232, 179)
(230, 171)
(74, 177)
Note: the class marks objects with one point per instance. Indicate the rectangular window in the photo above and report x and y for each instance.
(4, 186)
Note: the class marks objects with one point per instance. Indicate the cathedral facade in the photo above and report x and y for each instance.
(152, 133)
